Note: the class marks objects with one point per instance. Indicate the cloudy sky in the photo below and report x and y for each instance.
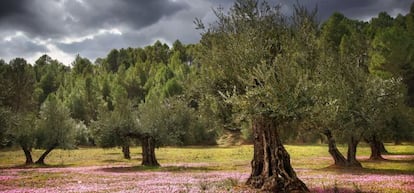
(64, 28)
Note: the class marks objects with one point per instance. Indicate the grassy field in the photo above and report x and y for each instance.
(198, 169)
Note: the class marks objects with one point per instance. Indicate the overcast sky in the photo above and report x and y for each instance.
(64, 28)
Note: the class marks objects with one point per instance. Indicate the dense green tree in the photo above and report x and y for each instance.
(391, 55)
(163, 122)
(106, 93)
(20, 100)
(5, 121)
(5, 84)
(111, 63)
(82, 66)
(50, 75)
(83, 96)
(179, 49)
(383, 100)
(157, 53)
(134, 82)
(333, 30)
(55, 127)
(114, 124)
(113, 127)
(22, 84)
(377, 24)
(349, 74)
(267, 78)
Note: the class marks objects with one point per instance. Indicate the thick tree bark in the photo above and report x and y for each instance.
(148, 152)
(41, 159)
(126, 152)
(339, 159)
(382, 148)
(28, 155)
(271, 168)
(351, 156)
(375, 146)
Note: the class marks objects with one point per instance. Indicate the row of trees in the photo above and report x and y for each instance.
(133, 96)
(348, 80)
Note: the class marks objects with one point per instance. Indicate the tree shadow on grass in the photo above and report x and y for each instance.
(155, 169)
(333, 190)
(113, 153)
(385, 160)
(399, 153)
(353, 170)
(115, 161)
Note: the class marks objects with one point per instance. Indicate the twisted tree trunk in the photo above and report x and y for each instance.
(339, 159)
(41, 159)
(148, 151)
(271, 168)
(126, 151)
(375, 146)
(382, 148)
(28, 155)
(351, 156)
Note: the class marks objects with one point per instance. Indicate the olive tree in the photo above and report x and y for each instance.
(18, 96)
(162, 122)
(113, 126)
(55, 127)
(266, 62)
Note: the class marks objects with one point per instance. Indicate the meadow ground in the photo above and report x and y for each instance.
(199, 169)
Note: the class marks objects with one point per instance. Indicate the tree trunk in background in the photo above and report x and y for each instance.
(375, 146)
(28, 155)
(148, 152)
(126, 152)
(41, 159)
(271, 168)
(397, 141)
(351, 156)
(339, 159)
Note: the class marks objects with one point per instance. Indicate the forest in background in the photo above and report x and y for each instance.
(344, 81)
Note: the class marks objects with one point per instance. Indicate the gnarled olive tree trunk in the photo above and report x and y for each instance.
(28, 155)
(339, 159)
(351, 155)
(376, 148)
(148, 151)
(126, 152)
(41, 159)
(382, 148)
(271, 168)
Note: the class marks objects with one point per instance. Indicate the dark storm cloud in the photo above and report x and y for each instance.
(99, 46)
(58, 18)
(355, 9)
(91, 28)
(11, 7)
(135, 14)
(20, 46)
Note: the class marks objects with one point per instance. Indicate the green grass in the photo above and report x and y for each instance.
(218, 158)
(76, 157)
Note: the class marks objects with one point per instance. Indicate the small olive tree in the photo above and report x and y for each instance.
(154, 123)
(55, 127)
(163, 122)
